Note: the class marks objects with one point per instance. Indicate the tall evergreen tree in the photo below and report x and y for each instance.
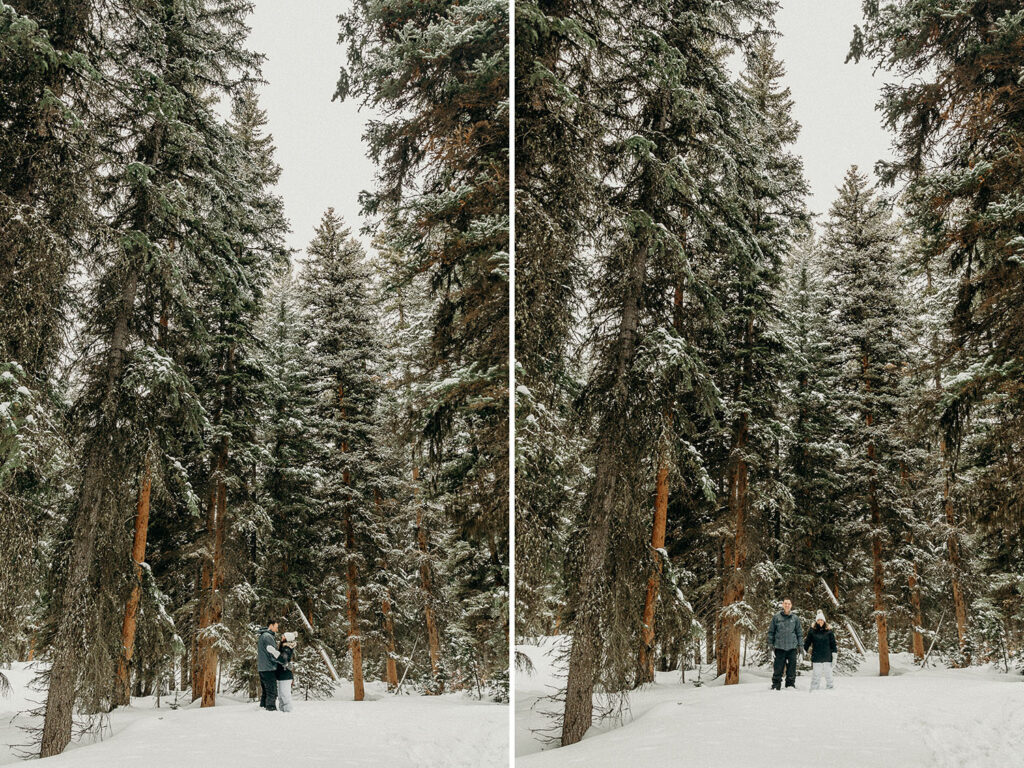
(648, 383)
(558, 136)
(813, 541)
(957, 118)
(858, 251)
(161, 140)
(440, 71)
(750, 370)
(344, 350)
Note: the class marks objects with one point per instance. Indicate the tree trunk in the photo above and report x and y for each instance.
(879, 584)
(955, 562)
(355, 644)
(65, 648)
(654, 581)
(204, 661)
(585, 651)
(205, 596)
(212, 655)
(391, 669)
(735, 559)
(426, 583)
(122, 689)
(915, 603)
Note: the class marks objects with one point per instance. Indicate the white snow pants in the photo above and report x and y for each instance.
(284, 694)
(816, 669)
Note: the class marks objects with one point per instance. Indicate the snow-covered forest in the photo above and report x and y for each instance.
(723, 401)
(201, 429)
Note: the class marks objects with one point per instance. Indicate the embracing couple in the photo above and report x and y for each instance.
(785, 637)
(273, 661)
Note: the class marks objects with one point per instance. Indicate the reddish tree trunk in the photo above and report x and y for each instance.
(955, 562)
(122, 691)
(205, 598)
(735, 560)
(391, 669)
(355, 644)
(654, 581)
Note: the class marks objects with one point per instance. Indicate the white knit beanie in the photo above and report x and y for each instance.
(820, 616)
(289, 637)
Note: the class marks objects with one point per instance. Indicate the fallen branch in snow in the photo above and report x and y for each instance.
(406, 672)
(846, 621)
(317, 643)
(935, 636)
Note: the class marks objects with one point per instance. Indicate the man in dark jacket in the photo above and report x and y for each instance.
(266, 664)
(784, 637)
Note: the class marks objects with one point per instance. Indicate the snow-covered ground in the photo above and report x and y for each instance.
(451, 731)
(934, 718)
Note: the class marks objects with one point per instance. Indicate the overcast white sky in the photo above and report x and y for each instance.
(319, 145)
(834, 102)
(324, 162)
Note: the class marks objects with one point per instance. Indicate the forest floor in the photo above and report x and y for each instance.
(934, 718)
(452, 731)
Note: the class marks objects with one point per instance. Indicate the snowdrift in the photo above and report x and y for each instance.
(452, 731)
(938, 718)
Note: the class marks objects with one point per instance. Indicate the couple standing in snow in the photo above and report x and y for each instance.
(785, 638)
(273, 661)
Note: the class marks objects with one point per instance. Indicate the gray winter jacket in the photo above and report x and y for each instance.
(784, 632)
(266, 651)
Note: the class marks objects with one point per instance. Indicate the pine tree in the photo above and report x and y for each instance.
(46, 157)
(648, 383)
(344, 350)
(229, 303)
(441, 72)
(45, 174)
(750, 370)
(156, 183)
(558, 135)
(858, 254)
(956, 115)
(813, 541)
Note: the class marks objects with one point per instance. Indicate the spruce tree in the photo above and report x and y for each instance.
(558, 136)
(858, 253)
(749, 374)
(813, 541)
(956, 115)
(648, 384)
(157, 188)
(440, 73)
(344, 350)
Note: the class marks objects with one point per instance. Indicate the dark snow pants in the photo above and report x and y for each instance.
(268, 690)
(784, 660)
